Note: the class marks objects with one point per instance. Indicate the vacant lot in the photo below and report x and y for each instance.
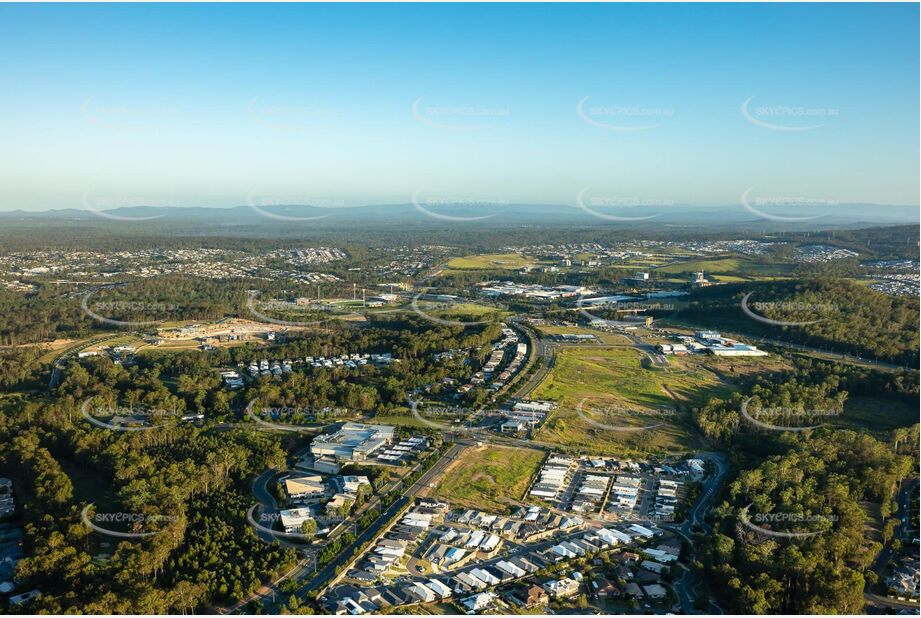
(622, 392)
(605, 337)
(489, 477)
(502, 261)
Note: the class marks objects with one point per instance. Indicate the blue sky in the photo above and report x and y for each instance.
(214, 105)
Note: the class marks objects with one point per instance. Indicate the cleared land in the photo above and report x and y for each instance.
(501, 261)
(605, 337)
(622, 392)
(714, 265)
(877, 414)
(490, 477)
(460, 310)
(727, 266)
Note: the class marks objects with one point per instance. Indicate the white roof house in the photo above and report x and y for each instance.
(510, 568)
(478, 601)
(423, 592)
(564, 587)
(490, 543)
(660, 555)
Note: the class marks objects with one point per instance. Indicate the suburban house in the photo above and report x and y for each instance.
(562, 588)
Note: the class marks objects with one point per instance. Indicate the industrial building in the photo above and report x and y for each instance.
(352, 442)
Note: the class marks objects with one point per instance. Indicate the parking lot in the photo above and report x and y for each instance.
(645, 476)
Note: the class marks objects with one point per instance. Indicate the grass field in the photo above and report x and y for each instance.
(877, 414)
(488, 477)
(714, 265)
(501, 261)
(461, 310)
(616, 377)
(738, 266)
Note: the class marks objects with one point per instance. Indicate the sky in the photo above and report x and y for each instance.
(216, 105)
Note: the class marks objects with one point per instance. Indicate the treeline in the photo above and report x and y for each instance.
(846, 317)
(44, 315)
(20, 367)
(189, 381)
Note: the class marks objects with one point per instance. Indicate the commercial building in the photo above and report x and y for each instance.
(292, 520)
(352, 442)
(304, 488)
(722, 346)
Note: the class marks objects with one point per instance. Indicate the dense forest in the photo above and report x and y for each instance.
(814, 483)
(186, 484)
(819, 484)
(848, 318)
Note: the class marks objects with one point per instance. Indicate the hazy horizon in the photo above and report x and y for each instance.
(353, 105)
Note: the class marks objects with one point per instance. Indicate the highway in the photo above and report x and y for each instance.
(544, 351)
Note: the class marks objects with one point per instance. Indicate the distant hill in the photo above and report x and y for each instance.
(293, 217)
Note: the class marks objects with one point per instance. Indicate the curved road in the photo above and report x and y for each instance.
(305, 571)
(687, 586)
